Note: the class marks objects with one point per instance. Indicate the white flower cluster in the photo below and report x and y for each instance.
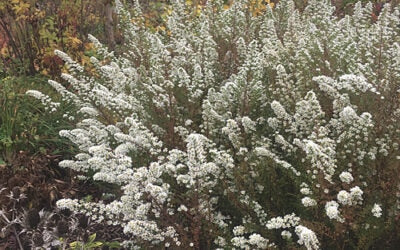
(376, 210)
(308, 202)
(288, 221)
(45, 100)
(352, 198)
(332, 211)
(72, 65)
(307, 237)
(255, 241)
(286, 234)
(305, 189)
(346, 177)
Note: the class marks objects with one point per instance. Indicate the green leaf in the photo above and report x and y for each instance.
(114, 244)
(92, 237)
(95, 244)
(74, 244)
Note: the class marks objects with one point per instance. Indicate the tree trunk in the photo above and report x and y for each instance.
(109, 24)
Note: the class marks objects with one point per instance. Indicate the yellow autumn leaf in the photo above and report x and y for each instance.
(169, 11)
(4, 51)
(2, 6)
(21, 8)
(88, 46)
(160, 28)
(198, 9)
(271, 4)
(74, 42)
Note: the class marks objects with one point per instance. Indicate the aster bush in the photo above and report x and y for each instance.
(230, 129)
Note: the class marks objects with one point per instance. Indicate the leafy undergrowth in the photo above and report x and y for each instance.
(31, 180)
(30, 185)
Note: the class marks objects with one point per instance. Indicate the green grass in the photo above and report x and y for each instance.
(24, 124)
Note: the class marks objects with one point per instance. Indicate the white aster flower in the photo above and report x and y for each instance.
(346, 177)
(344, 197)
(239, 230)
(308, 202)
(332, 211)
(307, 237)
(286, 234)
(376, 210)
(356, 195)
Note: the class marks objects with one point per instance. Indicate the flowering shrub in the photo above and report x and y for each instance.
(229, 129)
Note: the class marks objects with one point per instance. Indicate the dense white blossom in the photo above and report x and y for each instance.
(286, 234)
(213, 121)
(307, 237)
(346, 177)
(376, 210)
(356, 195)
(308, 202)
(344, 197)
(255, 241)
(239, 230)
(305, 191)
(288, 221)
(45, 100)
(332, 211)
